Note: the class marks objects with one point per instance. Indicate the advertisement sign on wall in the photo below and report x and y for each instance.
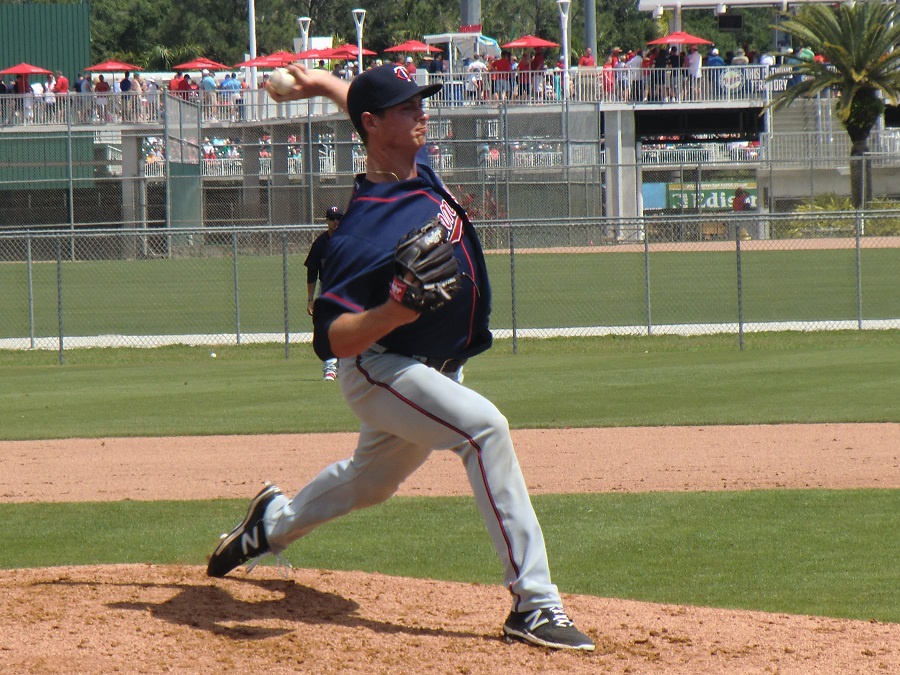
(706, 196)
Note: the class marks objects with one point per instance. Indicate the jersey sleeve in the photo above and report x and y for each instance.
(359, 282)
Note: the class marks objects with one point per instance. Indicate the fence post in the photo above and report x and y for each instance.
(512, 285)
(860, 228)
(69, 171)
(740, 293)
(647, 277)
(284, 289)
(30, 271)
(59, 300)
(237, 299)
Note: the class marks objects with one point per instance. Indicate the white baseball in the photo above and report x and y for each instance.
(282, 81)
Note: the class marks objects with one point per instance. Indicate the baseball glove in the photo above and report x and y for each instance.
(426, 275)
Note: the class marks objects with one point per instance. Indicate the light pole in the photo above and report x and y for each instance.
(303, 22)
(252, 45)
(564, 23)
(359, 16)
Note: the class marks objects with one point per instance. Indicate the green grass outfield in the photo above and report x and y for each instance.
(196, 295)
(801, 551)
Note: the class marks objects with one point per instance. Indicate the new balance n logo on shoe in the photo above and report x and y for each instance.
(249, 543)
(535, 620)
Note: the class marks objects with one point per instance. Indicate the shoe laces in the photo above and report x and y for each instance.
(281, 564)
(559, 617)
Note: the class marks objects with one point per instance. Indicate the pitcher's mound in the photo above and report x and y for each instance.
(151, 619)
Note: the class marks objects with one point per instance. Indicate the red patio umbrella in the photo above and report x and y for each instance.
(312, 54)
(348, 51)
(112, 66)
(24, 69)
(679, 38)
(201, 63)
(529, 42)
(269, 61)
(413, 46)
(280, 58)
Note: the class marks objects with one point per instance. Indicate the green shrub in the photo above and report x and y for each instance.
(831, 215)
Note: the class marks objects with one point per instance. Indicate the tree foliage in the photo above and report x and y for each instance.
(157, 33)
(860, 44)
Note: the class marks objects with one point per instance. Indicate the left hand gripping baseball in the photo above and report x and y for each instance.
(426, 273)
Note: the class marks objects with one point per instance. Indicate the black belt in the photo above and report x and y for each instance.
(440, 365)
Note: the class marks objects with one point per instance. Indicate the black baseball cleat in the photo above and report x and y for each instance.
(247, 541)
(547, 627)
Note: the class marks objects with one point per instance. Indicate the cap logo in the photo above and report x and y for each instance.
(402, 73)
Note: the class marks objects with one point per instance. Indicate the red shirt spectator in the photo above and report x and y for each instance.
(587, 59)
(62, 83)
(185, 87)
(501, 76)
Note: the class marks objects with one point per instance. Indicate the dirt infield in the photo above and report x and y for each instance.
(150, 619)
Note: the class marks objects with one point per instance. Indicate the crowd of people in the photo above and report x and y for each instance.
(113, 97)
(32, 98)
(222, 153)
(101, 99)
(656, 74)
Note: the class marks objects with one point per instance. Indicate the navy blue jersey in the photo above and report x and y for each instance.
(361, 267)
(315, 261)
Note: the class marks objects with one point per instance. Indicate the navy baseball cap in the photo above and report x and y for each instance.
(382, 87)
(334, 213)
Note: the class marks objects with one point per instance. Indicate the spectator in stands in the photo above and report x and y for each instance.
(608, 79)
(514, 78)
(186, 87)
(4, 102)
(410, 66)
(740, 58)
(619, 60)
(693, 61)
(587, 59)
(101, 99)
(437, 66)
(659, 75)
(676, 63)
(475, 78)
(49, 100)
(231, 89)
(501, 76)
(537, 72)
(766, 59)
(715, 63)
(749, 53)
(62, 84)
(635, 67)
(175, 82)
(208, 88)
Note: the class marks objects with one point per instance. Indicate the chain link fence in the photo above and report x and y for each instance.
(240, 285)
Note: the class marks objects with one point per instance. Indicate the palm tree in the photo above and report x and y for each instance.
(861, 45)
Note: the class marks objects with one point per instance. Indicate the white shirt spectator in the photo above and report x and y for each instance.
(693, 61)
